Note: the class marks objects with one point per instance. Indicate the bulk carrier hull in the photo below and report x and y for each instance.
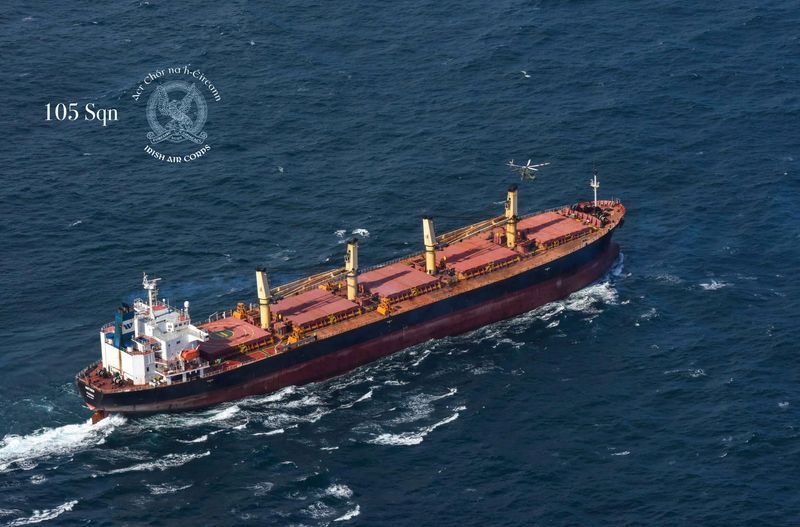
(339, 353)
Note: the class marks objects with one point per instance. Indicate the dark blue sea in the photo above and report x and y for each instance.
(664, 394)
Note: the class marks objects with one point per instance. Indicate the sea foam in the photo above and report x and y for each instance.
(24, 451)
(39, 516)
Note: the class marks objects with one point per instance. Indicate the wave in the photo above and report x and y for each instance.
(364, 233)
(649, 314)
(339, 490)
(419, 406)
(588, 299)
(44, 515)
(166, 462)
(158, 490)
(319, 510)
(224, 414)
(215, 416)
(364, 397)
(202, 439)
(694, 373)
(261, 489)
(451, 391)
(288, 407)
(483, 370)
(270, 433)
(511, 342)
(311, 399)
(548, 311)
(349, 515)
(411, 438)
(358, 376)
(315, 416)
(669, 278)
(618, 266)
(713, 285)
(421, 358)
(280, 395)
(288, 420)
(24, 451)
(275, 410)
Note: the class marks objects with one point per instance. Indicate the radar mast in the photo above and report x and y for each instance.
(151, 286)
(595, 184)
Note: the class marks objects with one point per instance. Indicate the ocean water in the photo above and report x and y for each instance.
(664, 394)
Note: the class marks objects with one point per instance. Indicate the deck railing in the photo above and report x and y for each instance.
(309, 282)
(454, 236)
(217, 315)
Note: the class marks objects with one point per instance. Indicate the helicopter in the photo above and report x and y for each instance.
(527, 172)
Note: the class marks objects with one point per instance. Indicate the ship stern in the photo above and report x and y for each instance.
(92, 396)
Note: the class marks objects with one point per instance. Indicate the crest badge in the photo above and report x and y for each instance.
(176, 112)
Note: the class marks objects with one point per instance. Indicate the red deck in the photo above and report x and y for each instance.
(475, 254)
(229, 333)
(550, 226)
(396, 280)
(313, 307)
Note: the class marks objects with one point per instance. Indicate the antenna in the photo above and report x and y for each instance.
(151, 286)
(527, 172)
(595, 184)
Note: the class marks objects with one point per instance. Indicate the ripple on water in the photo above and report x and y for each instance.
(164, 463)
(39, 516)
(410, 438)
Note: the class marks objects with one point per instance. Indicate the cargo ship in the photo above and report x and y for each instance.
(154, 358)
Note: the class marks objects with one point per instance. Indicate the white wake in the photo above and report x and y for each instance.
(25, 451)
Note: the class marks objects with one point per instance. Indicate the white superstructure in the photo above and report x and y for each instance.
(152, 342)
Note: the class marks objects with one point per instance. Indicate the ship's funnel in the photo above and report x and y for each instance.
(351, 265)
(511, 217)
(263, 297)
(429, 238)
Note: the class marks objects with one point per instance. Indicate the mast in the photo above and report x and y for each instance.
(429, 239)
(595, 184)
(511, 217)
(151, 286)
(262, 285)
(351, 265)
